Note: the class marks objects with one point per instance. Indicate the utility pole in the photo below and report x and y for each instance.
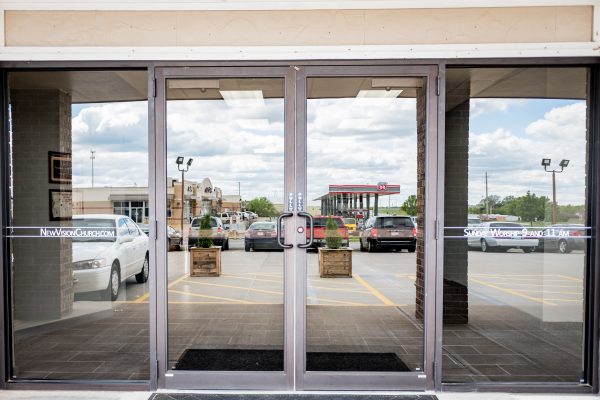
(487, 199)
(92, 157)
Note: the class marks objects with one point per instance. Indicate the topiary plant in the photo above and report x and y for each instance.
(204, 241)
(333, 239)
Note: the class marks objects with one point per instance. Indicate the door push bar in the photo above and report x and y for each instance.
(279, 230)
(311, 236)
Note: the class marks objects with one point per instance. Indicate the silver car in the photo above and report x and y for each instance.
(501, 236)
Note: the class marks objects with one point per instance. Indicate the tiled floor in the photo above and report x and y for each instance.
(499, 343)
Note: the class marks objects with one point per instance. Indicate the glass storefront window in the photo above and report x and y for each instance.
(79, 263)
(516, 224)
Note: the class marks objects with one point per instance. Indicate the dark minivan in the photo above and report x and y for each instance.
(392, 232)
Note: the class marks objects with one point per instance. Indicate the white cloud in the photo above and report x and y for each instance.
(481, 106)
(513, 161)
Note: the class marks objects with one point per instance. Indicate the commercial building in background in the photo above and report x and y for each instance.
(478, 120)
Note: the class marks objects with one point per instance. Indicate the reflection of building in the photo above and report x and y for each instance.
(200, 198)
(352, 199)
(130, 201)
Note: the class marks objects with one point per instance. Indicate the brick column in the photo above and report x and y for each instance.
(456, 301)
(421, 140)
(41, 268)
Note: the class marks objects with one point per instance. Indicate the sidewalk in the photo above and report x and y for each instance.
(95, 395)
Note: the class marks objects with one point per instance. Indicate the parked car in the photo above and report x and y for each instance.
(108, 249)
(174, 237)
(218, 234)
(261, 236)
(491, 236)
(563, 238)
(350, 224)
(319, 224)
(389, 231)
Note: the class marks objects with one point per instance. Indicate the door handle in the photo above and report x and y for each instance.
(279, 230)
(310, 237)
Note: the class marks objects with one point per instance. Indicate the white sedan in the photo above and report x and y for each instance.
(497, 235)
(107, 249)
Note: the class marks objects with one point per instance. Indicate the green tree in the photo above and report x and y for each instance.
(410, 205)
(531, 207)
(262, 206)
(204, 240)
(333, 239)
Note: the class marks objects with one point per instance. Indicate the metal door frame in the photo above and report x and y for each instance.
(294, 376)
(317, 380)
(242, 380)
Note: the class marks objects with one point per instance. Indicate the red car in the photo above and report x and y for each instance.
(319, 224)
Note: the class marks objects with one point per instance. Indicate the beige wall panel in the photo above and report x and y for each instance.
(313, 27)
(90, 28)
(331, 27)
(482, 25)
(569, 31)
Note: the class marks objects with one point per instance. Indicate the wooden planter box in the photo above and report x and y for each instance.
(335, 263)
(205, 262)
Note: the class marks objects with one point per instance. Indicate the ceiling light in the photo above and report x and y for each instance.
(243, 98)
(201, 84)
(378, 94)
(397, 82)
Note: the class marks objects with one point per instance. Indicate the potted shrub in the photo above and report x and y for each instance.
(334, 260)
(205, 258)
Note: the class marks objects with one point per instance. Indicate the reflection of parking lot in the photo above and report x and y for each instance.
(528, 282)
(545, 285)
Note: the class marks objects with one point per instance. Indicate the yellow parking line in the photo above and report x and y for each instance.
(321, 280)
(517, 278)
(373, 291)
(223, 302)
(336, 301)
(250, 279)
(145, 296)
(548, 291)
(357, 305)
(210, 297)
(263, 274)
(571, 278)
(234, 287)
(338, 289)
(553, 285)
(513, 292)
(567, 300)
(507, 275)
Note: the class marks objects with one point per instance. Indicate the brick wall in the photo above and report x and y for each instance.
(421, 140)
(456, 301)
(41, 268)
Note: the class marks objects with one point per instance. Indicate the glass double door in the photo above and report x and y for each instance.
(302, 202)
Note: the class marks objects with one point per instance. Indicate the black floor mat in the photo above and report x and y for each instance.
(272, 360)
(328, 396)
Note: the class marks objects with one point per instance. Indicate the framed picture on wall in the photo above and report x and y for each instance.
(60, 204)
(59, 167)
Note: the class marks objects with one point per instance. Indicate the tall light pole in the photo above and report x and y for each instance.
(180, 167)
(563, 164)
(92, 157)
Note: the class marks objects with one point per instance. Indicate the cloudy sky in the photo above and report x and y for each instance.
(509, 138)
(349, 142)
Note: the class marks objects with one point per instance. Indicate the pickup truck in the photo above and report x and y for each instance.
(319, 224)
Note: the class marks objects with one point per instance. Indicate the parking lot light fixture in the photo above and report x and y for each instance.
(563, 164)
(179, 162)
